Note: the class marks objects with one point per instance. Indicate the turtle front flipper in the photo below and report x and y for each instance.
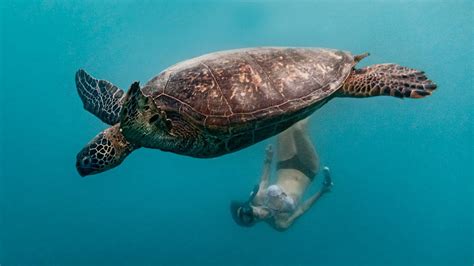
(100, 97)
(145, 124)
(387, 79)
(142, 122)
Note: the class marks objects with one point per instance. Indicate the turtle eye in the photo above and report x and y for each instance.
(86, 161)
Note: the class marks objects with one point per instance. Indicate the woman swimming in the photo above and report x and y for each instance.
(279, 204)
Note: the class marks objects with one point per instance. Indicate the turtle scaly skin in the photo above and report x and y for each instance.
(222, 102)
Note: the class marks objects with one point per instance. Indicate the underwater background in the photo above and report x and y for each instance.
(403, 169)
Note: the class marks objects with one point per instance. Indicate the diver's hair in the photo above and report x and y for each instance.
(234, 207)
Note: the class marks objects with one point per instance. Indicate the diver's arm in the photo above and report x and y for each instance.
(267, 163)
(327, 185)
(305, 206)
(265, 178)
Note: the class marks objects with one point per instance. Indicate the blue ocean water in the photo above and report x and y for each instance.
(403, 169)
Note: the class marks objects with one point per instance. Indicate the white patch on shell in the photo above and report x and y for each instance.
(324, 68)
(338, 57)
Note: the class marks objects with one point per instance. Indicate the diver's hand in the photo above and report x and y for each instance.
(327, 183)
(269, 154)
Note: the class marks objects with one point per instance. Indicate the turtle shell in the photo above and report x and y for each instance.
(257, 89)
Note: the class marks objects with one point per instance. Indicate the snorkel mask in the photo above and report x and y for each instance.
(242, 212)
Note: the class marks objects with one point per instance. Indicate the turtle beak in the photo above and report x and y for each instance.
(85, 162)
(81, 170)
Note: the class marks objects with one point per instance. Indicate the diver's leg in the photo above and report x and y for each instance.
(296, 151)
(308, 159)
(286, 148)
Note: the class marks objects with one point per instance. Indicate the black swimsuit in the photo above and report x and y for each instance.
(295, 163)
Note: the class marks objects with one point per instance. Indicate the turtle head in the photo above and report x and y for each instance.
(105, 151)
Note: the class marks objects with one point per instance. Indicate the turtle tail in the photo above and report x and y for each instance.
(387, 79)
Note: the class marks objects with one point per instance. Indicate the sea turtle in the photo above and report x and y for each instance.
(225, 101)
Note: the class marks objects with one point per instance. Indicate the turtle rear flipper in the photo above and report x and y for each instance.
(387, 79)
(100, 97)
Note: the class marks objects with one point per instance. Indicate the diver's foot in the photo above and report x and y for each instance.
(327, 183)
